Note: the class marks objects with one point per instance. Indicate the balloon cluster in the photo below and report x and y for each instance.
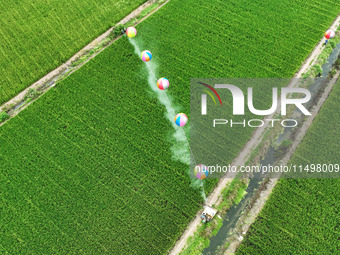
(163, 83)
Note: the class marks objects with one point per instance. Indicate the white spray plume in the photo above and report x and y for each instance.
(180, 149)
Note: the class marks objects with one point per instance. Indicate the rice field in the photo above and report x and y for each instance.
(38, 36)
(88, 167)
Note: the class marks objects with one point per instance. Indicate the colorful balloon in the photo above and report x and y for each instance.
(131, 32)
(329, 34)
(146, 56)
(201, 171)
(163, 83)
(181, 119)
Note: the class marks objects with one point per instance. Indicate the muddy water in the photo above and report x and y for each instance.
(233, 214)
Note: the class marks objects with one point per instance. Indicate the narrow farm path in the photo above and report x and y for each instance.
(254, 141)
(58, 72)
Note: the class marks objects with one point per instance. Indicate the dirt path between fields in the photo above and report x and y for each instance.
(245, 221)
(49, 80)
(255, 140)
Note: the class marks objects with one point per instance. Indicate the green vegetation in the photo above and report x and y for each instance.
(31, 94)
(82, 173)
(282, 148)
(316, 69)
(231, 195)
(238, 39)
(229, 45)
(38, 36)
(3, 116)
(87, 168)
(299, 218)
(337, 64)
(115, 33)
(302, 214)
(321, 144)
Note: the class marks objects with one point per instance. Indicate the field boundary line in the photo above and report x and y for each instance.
(49, 80)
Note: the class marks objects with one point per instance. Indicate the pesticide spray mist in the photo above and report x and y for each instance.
(180, 149)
